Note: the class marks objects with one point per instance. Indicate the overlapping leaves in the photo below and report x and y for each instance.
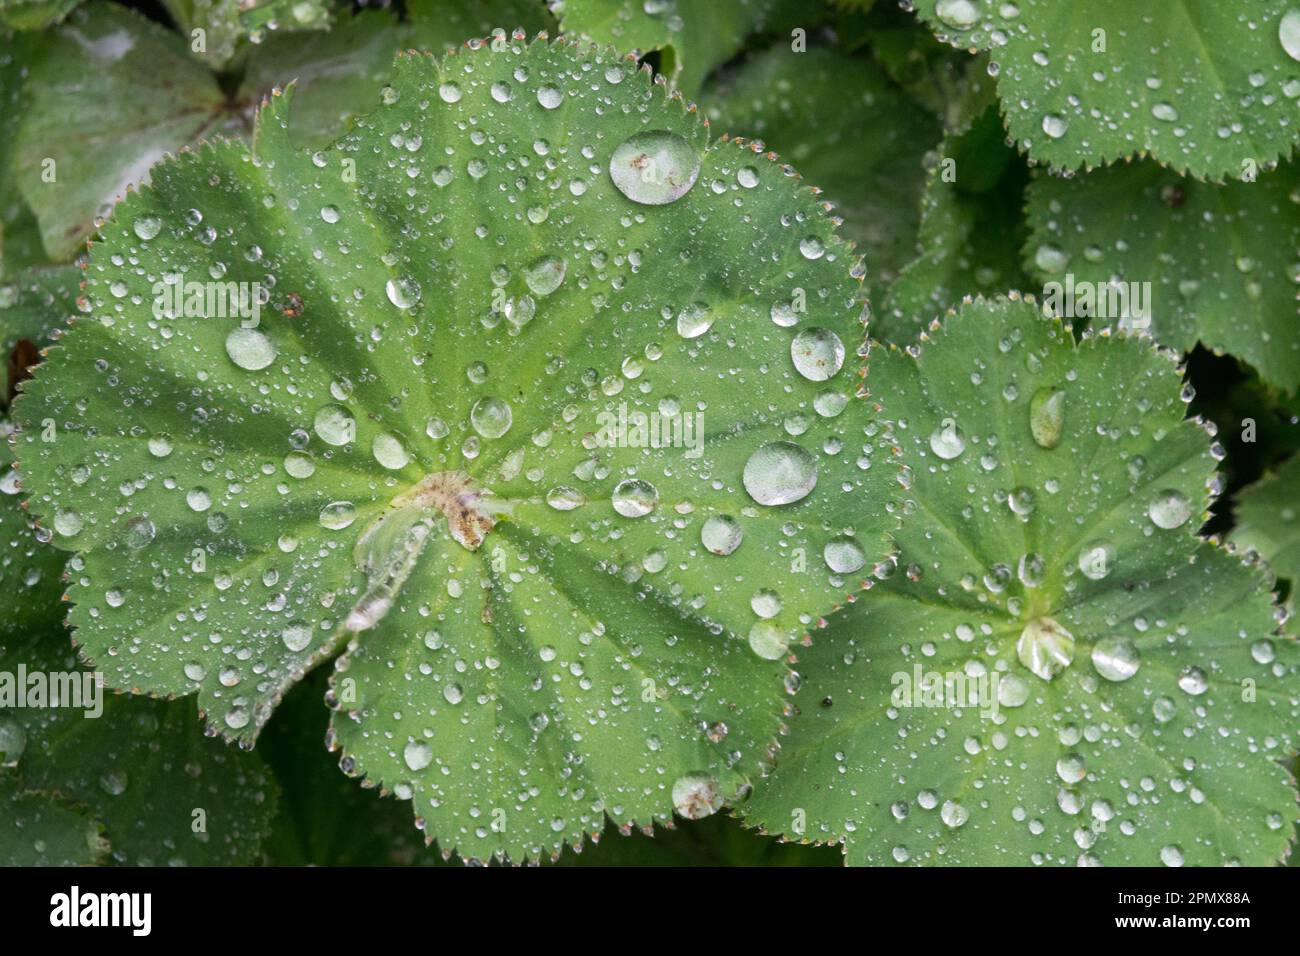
(1060, 670)
(433, 445)
(1204, 87)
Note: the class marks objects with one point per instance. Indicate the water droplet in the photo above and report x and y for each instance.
(694, 320)
(250, 349)
(549, 97)
(953, 814)
(810, 247)
(1288, 31)
(1193, 681)
(958, 14)
(335, 425)
(296, 635)
(147, 227)
(417, 755)
(635, 498)
(947, 441)
(1116, 658)
(1047, 416)
(389, 451)
(654, 167)
(1170, 509)
(721, 534)
(768, 641)
(329, 213)
(139, 532)
(780, 473)
(337, 515)
(543, 276)
(1096, 560)
(403, 292)
(695, 796)
(818, 354)
(1172, 855)
(1045, 647)
(13, 741)
(491, 417)
(1054, 125)
(843, 554)
(453, 694)
(1070, 768)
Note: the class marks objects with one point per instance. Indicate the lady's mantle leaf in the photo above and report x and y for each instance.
(480, 312)
(694, 37)
(1214, 263)
(114, 83)
(1205, 87)
(37, 829)
(1143, 700)
(1268, 521)
(847, 130)
(971, 231)
(166, 795)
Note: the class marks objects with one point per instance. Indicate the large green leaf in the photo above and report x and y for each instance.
(39, 830)
(1268, 521)
(847, 130)
(1205, 87)
(695, 37)
(455, 331)
(1220, 262)
(1144, 700)
(971, 231)
(165, 793)
(111, 84)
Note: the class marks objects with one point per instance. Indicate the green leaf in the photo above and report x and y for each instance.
(1219, 261)
(1268, 522)
(846, 129)
(695, 37)
(37, 830)
(30, 572)
(165, 794)
(20, 243)
(217, 31)
(547, 653)
(440, 25)
(337, 75)
(1206, 88)
(33, 14)
(717, 841)
(1055, 492)
(971, 231)
(110, 84)
(323, 818)
(264, 16)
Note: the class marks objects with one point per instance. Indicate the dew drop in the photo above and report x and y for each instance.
(947, 440)
(780, 473)
(721, 534)
(250, 349)
(335, 425)
(1116, 658)
(1045, 647)
(635, 498)
(337, 515)
(695, 796)
(491, 417)
(1170, 509)
(417, 755)
(654, 167)
(818, 354)
(1047, 416)
(694, 320)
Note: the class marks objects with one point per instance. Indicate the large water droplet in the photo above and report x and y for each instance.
(1170, 509)
(417, 755)
(337, 515)
(780, 473)
(959, 14)
(947, 441)
(721, 534)
(296, 635)
(491, 417)
(335, 425)
(543, 276)
(1054, 126)
(844, 555)
(635, 498)
(403, 292)
(695, 796)
(1288, 31)
(654, 167)
(389, 451)
(694, 320)
(768, 641)
(250, 349)
(818, 354)
(1047, 416)
(1116, 658)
